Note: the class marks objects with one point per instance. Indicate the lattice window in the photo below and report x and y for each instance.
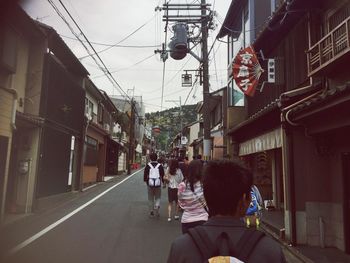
(338, 17)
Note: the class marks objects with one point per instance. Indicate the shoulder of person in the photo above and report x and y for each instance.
(183, 249)
(267, 250)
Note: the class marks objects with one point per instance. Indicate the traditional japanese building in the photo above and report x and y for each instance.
(301, 159)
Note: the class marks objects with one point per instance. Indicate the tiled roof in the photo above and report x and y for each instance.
(323, 97)
(272, 105)
(30, 118)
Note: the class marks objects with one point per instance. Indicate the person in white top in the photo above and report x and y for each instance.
(173, 177)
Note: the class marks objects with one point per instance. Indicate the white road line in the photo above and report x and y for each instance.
(60, 221)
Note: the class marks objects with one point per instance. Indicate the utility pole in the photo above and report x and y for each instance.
(131, 135)
(206, 108)
(177, 51)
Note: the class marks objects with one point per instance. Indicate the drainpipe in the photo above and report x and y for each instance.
(288, 160)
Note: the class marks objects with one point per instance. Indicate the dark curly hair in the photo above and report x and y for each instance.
(194, 173)
(224, 183)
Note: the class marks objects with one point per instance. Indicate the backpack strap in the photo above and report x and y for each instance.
(202, 241)
(247, 243)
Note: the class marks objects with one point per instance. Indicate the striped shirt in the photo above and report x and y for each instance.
(191, 204)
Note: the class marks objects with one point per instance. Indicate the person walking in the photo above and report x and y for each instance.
(254, 211)
(227, 186)
(173, 177)
(191, 199)
(183, 166)
(153, 177)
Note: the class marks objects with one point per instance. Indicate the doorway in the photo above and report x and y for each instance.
(346, 202)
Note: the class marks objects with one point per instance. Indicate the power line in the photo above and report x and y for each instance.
(137, 63)
(113, 45)
(102, 67)
(125, 38)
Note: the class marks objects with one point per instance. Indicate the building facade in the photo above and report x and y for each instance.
(300, 161)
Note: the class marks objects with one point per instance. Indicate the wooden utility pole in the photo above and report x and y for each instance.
(206, 108)
(203, 18)
(131, 135)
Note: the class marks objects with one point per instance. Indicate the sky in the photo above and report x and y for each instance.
(138, 70)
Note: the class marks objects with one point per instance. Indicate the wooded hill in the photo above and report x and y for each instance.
(169, 122)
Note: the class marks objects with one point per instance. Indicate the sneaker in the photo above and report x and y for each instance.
(151, 214)
(169, 219)
(176, 217)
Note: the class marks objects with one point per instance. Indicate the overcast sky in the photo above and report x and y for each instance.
(109, 22)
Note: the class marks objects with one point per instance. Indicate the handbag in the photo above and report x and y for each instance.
(166, 178)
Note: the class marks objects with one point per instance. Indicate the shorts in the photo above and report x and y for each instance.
(172, 195)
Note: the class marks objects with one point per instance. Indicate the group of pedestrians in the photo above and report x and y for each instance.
(222, 189)
(185, 190)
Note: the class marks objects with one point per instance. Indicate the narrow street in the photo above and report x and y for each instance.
(114, 228)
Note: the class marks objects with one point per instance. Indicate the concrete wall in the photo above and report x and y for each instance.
(25, 183)
(34, 80)
(218, 153)
(6, 104)
(319, 189)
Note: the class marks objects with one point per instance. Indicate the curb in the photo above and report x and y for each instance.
(291, 249)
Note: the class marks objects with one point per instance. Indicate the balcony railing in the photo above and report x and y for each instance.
(330, 48)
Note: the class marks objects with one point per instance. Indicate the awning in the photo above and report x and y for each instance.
(264, 142)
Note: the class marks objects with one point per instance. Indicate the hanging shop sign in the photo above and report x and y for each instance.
(247, 70)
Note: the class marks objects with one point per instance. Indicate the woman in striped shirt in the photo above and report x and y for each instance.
(191, 198)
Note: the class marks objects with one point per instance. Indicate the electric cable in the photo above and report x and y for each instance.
(103, 68)
(113, 45)
(118, 70)
(125, 38)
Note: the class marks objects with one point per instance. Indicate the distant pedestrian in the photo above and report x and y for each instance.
(183, 166)
(199, 157)
(173, 177)
(153, 177)
(254, 211)
(227, 185)
(191, 198)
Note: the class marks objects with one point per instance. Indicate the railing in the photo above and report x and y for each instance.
(331, 47)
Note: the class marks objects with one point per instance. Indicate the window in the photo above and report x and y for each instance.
(89, 107)
(100, 113)
(337, 17)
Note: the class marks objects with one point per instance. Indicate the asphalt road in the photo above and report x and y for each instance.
(114, 228)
